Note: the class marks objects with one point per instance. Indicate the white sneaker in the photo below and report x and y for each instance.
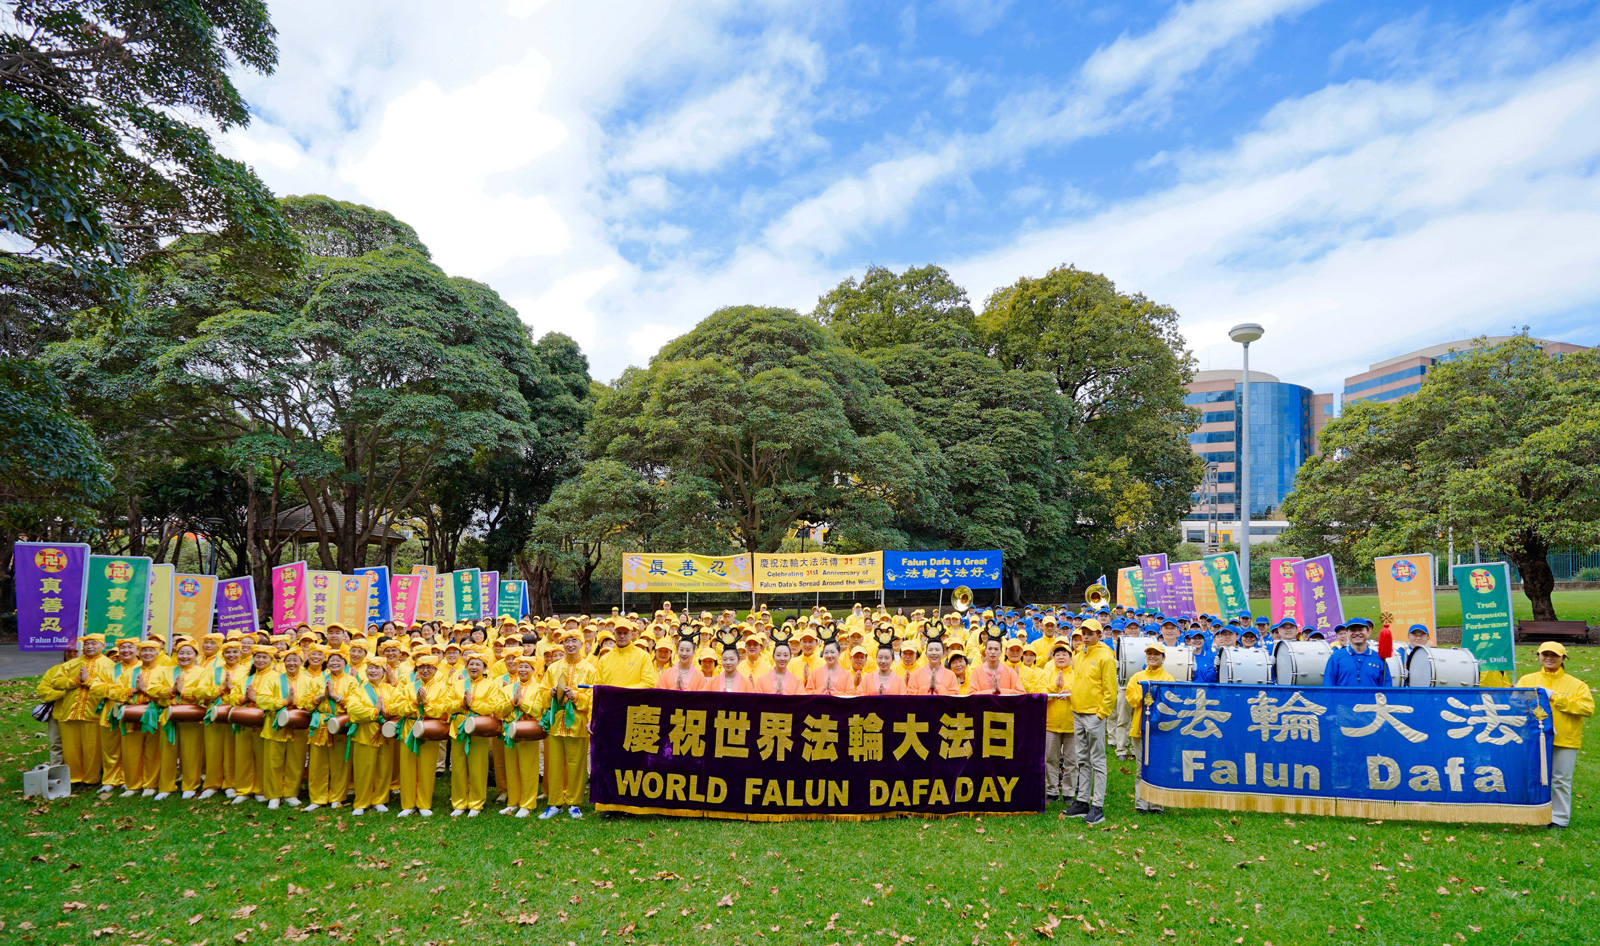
(508, 809)
(273, 805)
(130, 793)
(458, 812)
(229, 792)
(358, 812)
(187, 795)
(261, 798)
(381, 807)
(522, 812)
(239, 799)
(473, 813)
(549, 813)
(406, 813)
(149, 793)
(207, 793)
(293, 802)
(334, 804)
(311, 807)
(426, 813)
(162, 796)
(575, 812)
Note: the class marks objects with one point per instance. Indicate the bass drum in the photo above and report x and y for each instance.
(1179, 663)
(1130, 657)
(1441, 667)
(1300, 663)
(1397, 670)
(1249, 666)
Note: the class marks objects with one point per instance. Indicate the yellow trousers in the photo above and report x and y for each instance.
(191, 756)
(566, 767)
(522, 774)
(469, 773)
(141, 758)
(80, 750)
(370, 767)
(417, 772)
(285, 764)
(110, 757)
(219, 756)
(501, 774)
(328, 774)
(394, 749)
(248, 757)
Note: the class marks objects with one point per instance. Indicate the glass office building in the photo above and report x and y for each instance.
(1282, 436)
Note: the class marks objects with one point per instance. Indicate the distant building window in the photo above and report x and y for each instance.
(1208, 397)
(1194, 535)
(1217, 417)
(1327, 410)
(1215, 436)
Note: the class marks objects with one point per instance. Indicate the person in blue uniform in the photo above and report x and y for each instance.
(1357, 665)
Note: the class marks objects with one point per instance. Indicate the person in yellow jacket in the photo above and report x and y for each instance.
(1570, 703)
(1060, 756)
(141, 753)
(627, 665)
(370, 703)
(284, 750)
(1094, 699)
(469, 754)
(249, 749)
(220, 675)
(183, 745)
(69, 685)
(1154, 656)
(565, 698)
(328, 768)
(433, 697)
(522, 758)
(118, 670)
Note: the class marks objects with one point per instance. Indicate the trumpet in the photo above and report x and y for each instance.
(961, 598)
(1096, 595)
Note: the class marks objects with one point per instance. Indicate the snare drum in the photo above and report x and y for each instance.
(1300, 663)
(1397, 670)
(1245, 665)
(1441, 667)
(1179, 663)
(294, 718)
(1130, 656)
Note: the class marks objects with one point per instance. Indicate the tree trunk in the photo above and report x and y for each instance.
(1537, 579)
(536, 572)
(135, 526)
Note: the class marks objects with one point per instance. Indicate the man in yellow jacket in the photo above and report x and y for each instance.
(1154, 656)
(1571, 703)
(1094, 698)
(68, 685)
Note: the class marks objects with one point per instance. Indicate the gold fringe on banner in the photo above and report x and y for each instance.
(1369, 809)
(754, 816)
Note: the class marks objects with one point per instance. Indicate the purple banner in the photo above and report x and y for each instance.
(1183, 592)
(1158, 590)
(51, 580)
(236, 607)
(1318, 589)
(755, 757)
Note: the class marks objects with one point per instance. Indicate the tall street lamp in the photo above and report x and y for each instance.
(1245, 334)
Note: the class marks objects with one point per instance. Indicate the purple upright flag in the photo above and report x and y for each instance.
(236, 607)
(51, 579)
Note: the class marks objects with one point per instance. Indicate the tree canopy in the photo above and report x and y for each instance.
(1502, 444)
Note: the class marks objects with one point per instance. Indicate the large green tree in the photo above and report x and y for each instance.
(786, 423)
(1501, 444)
(882, 309)
(106, 113)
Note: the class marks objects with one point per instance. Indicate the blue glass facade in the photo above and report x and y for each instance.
(1280, 439)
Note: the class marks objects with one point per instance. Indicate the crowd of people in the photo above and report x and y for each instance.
(335, 714)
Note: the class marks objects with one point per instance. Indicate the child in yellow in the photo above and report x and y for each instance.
(249, 752)
(328, 769)
(567, 694)
(370, 703)
(69, 685)
(1060, 754)
(1154, 656)
(469, 754)
(110, 676)
(220, 675)
(284, 749)
(433, 697)
(522, 758)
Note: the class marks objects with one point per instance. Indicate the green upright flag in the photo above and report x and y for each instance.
(117, 601)
(1224, 572)
(1486, 623)
(467, 591)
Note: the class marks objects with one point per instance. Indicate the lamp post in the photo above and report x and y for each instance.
(1244, 334)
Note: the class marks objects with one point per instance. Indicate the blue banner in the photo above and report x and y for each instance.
(914, 571)
(379, 608)
(1421, 754)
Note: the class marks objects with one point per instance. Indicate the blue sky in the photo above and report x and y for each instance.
(1362, 178)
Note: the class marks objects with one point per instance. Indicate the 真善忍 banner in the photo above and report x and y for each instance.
(1415, 753)
(680, 571)
(756, 757)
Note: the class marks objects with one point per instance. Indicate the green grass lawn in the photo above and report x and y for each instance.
(135, 872)
(1570, 606)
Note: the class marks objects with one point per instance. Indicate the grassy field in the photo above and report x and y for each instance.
(134, 872)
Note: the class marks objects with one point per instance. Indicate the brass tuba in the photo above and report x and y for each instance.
(1097, 595)
(961, 598)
